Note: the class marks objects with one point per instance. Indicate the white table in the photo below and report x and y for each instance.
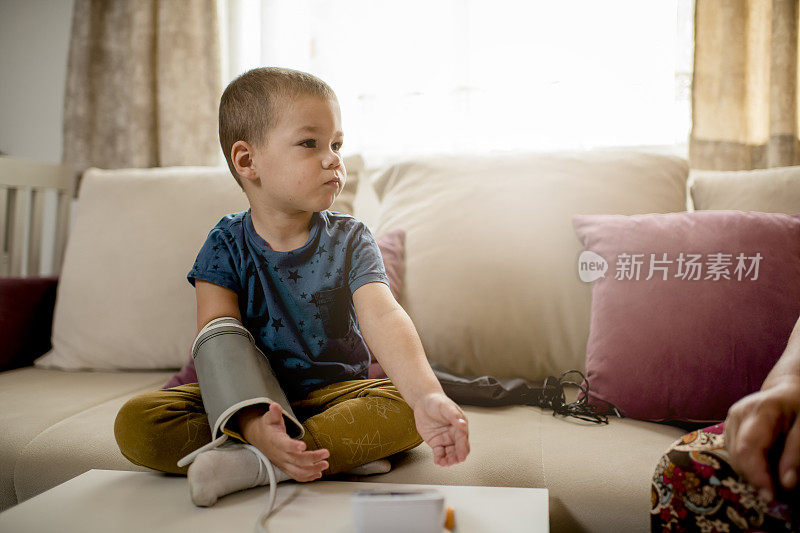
(115, 501)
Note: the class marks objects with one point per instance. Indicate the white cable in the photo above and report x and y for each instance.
(262, 463)
(189, 458)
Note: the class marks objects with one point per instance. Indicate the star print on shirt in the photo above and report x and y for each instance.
(336, 242)
(321, 250)
(327, 274)
(302, 323)
(294, 276)
(303, 296)
(277, 323)
(317, 316)
(321, 342)
(275, 268)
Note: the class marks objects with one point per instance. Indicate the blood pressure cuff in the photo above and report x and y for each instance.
(233, 373)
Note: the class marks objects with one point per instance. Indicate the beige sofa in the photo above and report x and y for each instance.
(491, 285)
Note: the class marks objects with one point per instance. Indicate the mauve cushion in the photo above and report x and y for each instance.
(685, 349)
(26, 318)
(392, 247)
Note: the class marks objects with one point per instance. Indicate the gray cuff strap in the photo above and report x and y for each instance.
(233, 374)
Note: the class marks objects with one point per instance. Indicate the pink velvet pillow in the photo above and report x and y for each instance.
(687, 347)
(392, 247)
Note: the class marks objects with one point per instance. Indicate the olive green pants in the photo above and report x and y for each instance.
(357, 421)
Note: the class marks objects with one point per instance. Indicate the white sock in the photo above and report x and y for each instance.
(226, 469)
(234, 467)
(379, 466)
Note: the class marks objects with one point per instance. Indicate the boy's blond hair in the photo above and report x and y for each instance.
(250, 105)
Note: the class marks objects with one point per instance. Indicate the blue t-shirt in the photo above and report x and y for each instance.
(298, 305)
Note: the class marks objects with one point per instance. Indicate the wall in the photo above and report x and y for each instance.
(34, 40)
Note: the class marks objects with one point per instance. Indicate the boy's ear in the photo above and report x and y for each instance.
(242, 159)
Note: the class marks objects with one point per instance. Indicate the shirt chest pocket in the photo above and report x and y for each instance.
(334, 310)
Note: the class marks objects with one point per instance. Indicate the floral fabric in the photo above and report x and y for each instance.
(694, 488)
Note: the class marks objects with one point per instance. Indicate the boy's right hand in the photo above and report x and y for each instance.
(266, 430)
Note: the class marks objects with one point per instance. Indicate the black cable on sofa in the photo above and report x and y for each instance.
(488, 391)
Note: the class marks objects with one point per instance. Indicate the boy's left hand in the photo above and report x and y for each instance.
(443, 425)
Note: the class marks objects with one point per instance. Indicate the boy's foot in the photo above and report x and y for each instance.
(224, 470)
(234, 467)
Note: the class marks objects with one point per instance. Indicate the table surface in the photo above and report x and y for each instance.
(110, 500)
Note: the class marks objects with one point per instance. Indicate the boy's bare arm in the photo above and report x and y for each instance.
(262, 428)
(214, 301)
(393, 339)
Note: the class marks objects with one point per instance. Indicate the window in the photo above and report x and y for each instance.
(461, 76)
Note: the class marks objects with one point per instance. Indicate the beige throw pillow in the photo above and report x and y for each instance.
(772, 190)
(491, 277)
(123, 301)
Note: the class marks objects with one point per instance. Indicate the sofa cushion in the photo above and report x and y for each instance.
(65, 444)
(670, 341)
(491, 283)
(599, 476)
(123, 301)
(772, 190)
(595, 484)
(34, 399)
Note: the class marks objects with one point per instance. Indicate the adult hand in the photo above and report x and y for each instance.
(443, 426)
(757, 423)
(266, 430)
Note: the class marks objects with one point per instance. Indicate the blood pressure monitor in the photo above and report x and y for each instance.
(390, 511)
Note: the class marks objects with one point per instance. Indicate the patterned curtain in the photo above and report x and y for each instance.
(143, 84)
(744, 89)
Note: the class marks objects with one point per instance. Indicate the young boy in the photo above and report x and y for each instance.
(309, 286)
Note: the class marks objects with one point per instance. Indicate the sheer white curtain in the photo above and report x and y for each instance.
(455, 76)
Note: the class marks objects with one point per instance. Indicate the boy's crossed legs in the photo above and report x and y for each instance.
(358, 421)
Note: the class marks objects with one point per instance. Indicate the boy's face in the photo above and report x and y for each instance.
(299, 165)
